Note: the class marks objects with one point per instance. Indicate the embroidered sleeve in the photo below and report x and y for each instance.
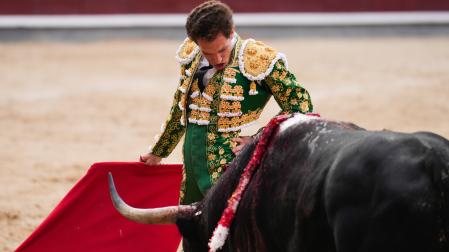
(172, 130)
(289, 94)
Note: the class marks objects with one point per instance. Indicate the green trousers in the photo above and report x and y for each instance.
(197, 180)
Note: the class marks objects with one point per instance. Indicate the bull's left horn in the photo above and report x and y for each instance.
(162, 215)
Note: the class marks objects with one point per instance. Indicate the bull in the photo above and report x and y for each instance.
(325, 186)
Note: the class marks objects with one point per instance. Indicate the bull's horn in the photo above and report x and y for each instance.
(162, 215)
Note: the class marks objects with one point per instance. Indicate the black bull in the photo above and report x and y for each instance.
(327, 186)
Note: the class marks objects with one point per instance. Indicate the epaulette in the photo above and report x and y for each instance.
(187, 52)
(256, 60)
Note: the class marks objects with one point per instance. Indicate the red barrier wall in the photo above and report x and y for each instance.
(184, 6)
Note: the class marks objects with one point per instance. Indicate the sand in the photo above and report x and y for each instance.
(64, 106)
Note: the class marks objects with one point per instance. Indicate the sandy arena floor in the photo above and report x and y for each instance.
(64, 106)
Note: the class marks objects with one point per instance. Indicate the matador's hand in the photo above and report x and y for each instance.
(150, 159)
(241, 141)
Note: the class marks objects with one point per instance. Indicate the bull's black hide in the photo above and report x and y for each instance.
(330, 186)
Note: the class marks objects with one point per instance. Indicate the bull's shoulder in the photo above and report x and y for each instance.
(372, 165)
(431, 138)
(362, 159)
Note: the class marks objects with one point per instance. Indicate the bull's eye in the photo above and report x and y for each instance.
(198, 213)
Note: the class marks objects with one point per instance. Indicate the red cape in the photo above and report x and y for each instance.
(85, 219)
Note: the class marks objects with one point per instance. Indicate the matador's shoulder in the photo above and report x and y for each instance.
(256, 59)
(187, 51)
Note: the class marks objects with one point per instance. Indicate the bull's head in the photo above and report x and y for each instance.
(186, 217)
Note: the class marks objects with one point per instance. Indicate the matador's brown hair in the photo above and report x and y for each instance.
(208, 19)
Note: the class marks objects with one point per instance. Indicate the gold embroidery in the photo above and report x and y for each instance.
(238, 90)
(210, 90)
(276, 88)
(183, 70)
(221, 153)
(232, 107)
(187, 49)
(211, 157)
(257, 58)
(264, 56)
(232, 144)
(230, 73)
(251, 51)
(305, 106)
(182, 101)
(269, 49)
(282, 77)
(228, 90)
(233, 123)
(194, 87)
(197, 115)
(194, 114)
(191, 70)
(253, 65)
(211, 136)
(195, 100)
(185, 85)
(204, 116)
(253, 88)
(203, 102)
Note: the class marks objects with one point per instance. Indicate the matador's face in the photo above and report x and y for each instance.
(218, 51)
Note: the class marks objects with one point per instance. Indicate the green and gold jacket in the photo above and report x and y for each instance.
(233, 99)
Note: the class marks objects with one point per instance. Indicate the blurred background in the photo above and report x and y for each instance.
(88, 81)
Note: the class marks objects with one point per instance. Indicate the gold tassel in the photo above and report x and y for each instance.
(253, 88)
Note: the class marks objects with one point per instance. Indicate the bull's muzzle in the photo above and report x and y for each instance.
(162, 215)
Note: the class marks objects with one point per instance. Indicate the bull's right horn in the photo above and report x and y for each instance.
(162, 215)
